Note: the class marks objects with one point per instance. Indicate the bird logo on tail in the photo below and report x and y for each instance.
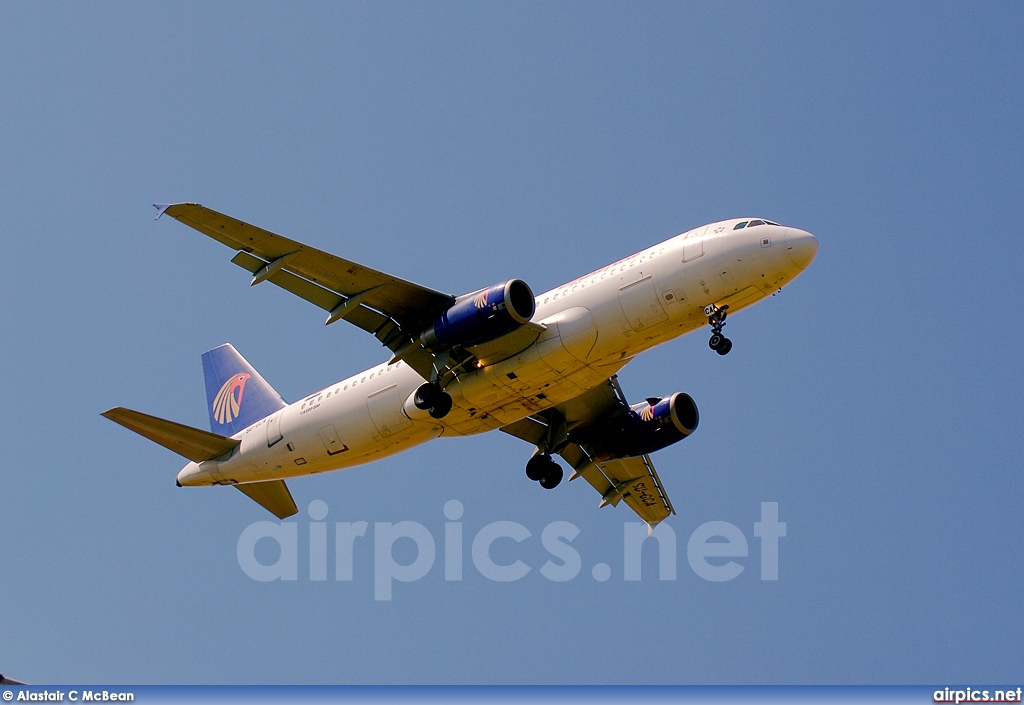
(226, 404)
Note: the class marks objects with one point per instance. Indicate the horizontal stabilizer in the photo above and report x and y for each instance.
(193, 443)
(272, 495)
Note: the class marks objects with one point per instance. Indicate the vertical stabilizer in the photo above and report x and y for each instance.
(236, 395)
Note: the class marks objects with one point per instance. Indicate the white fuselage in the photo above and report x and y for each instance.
(594, 325)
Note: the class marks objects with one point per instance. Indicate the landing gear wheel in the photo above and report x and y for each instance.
(554, 476)
(427, 395)
(538, 466)
(716, 317)
(442, 405)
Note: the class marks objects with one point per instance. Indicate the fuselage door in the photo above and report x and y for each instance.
(693, 244)
(274, 428)
(330, 438)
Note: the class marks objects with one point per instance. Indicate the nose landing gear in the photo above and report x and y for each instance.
(716, 317)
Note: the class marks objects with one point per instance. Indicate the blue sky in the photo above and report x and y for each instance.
(876, 399)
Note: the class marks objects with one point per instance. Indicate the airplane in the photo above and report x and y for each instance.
(540, 368)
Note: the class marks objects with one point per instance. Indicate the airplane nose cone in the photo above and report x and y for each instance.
(801, 247)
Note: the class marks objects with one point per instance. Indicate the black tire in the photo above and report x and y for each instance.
(426, 396)
(537, 467)
(441, 406)
(715, 342)
(725, 347)
(554, 476)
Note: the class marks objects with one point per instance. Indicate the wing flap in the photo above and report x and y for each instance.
(381, 326)
(631, 479)
(360, 316)
(637, 483)
(193, 443)
(405, 301)
(272, 495)
(589, 471)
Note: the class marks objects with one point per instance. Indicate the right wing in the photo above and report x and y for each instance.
(631, 479)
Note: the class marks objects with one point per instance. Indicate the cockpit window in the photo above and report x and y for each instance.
(768, 222)
(755, 222)
(740, 225)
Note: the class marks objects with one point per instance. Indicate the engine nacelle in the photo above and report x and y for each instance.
(481, 316)
(641, 429)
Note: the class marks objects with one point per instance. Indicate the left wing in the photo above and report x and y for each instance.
(631, 479)
(392, 309)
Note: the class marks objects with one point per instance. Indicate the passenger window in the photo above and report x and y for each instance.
(740, 225)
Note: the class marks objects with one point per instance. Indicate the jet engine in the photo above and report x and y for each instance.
(642, 428)
(481, 316)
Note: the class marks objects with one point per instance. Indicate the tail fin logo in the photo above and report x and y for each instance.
(226, 404)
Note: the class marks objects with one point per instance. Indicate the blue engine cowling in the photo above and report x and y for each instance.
(481, 316)
(642, 428)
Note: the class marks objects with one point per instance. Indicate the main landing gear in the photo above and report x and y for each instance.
(541, 468)
(716, 317)
(434, 400)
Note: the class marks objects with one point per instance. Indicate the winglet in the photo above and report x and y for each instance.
(162, 208)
